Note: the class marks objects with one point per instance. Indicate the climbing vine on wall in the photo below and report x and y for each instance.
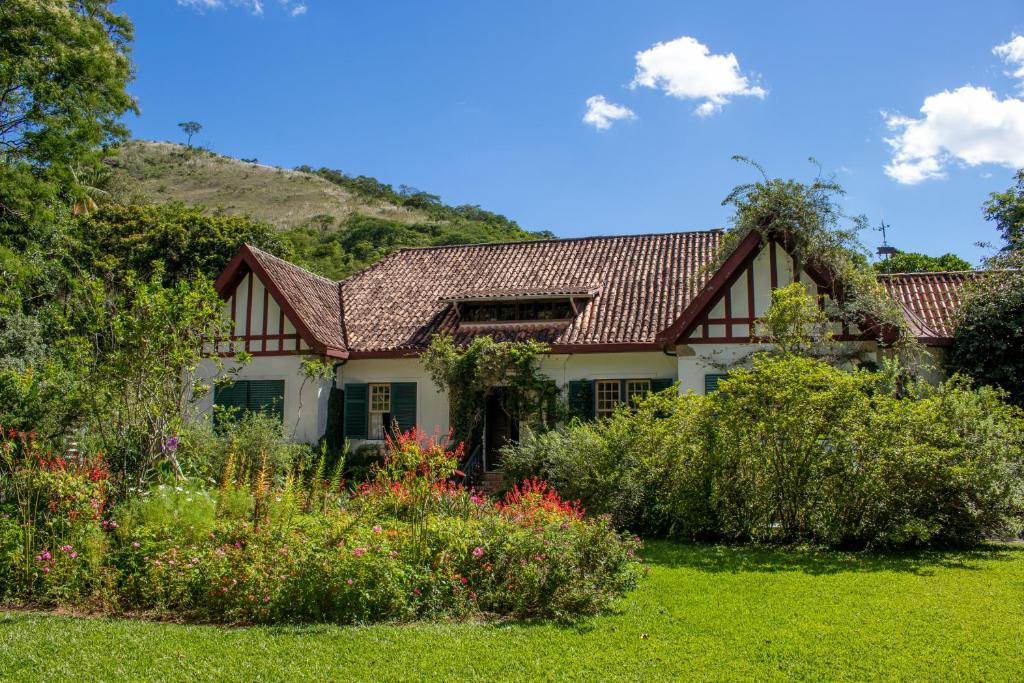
(470, 373)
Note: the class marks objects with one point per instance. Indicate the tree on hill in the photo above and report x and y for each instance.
(190, 128)
(913, 262)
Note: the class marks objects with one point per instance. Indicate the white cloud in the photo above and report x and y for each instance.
(601, 113)
(970, 125)
(685, 68)
(298, 10)
(255, 6)
(1013, 54)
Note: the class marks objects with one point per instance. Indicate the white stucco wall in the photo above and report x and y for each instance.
(305, 415)
(431, 402)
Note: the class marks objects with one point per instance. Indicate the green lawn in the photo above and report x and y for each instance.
(702, 613)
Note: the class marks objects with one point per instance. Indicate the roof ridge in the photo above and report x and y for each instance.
(933, 272)
(550, 240)
(261, 252)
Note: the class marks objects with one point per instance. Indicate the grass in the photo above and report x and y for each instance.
(709, 613)
(161, 172)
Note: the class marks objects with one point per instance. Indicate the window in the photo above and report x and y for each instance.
(607, 396)
(711, 382)
(505, 311)
(264, 396)
(636, 389)
(380, 410)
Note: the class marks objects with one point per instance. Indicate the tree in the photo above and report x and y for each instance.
(64, 66)
(795, 323)
(1006, 210)
(912, 262)
(190, 128)
(988, 344)
(808, 218)
(116, 240)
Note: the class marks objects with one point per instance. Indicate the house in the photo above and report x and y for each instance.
(621, 315)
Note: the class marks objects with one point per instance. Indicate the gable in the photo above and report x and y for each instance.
(259, 323)
(739, 293)
(276, 307)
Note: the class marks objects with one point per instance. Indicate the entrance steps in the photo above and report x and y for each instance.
(490, 482)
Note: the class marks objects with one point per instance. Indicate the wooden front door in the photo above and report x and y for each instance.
(500, 428)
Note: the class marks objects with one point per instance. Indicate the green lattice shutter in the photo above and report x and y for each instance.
(231, 395)
(711, 382)
(403, 404)
(581, 398)
(266, 396)
(658, 385)
(357, 411)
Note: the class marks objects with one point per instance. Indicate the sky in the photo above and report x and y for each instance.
(598, 118)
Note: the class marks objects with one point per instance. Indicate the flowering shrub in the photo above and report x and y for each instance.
(54, 508)
(406, 545)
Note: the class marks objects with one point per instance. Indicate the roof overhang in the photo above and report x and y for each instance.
(245, 261)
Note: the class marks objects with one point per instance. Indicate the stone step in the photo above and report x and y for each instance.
(490, 482)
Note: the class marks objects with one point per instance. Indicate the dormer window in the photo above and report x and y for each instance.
(524, 306)
(509, 311)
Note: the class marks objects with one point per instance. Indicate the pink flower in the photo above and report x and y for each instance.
(377, 530)
(136, 544)
(349, 582)
(46, 570)
(73, 555)
(266, 599)
(359, 552)
(46, 555)
(463, 580)
(478, 552)
(66, 548)
(416, 591)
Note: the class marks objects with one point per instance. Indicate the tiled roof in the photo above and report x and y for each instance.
(639, 283)
(630, 288)
(929, 300)
(313, 298)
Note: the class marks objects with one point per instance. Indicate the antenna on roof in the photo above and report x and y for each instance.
(885, 250)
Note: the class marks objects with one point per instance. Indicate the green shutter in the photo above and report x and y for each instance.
(266, 396)
(403, 405)
(357, 410)
(334, 434)
(711, 382)
(658, 385)
(581, 398)
(232, 395)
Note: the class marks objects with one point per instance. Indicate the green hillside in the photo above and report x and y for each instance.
(335, 223)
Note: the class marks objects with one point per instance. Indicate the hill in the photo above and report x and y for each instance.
(336, 223)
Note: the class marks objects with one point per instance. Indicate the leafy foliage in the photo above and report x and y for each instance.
(796, 450)
(469, 374)
(794, 322)
(409, 545)
(912, 262)
(186, 243)
(808, 218)
(988, 344)
(1006, 210)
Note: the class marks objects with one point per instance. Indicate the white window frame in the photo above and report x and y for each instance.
(609, 406)
(632, 392)
(378, 406)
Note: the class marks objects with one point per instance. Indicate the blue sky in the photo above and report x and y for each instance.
(484, 102)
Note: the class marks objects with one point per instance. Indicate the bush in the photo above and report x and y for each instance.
(407, 544)
(795, 450)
